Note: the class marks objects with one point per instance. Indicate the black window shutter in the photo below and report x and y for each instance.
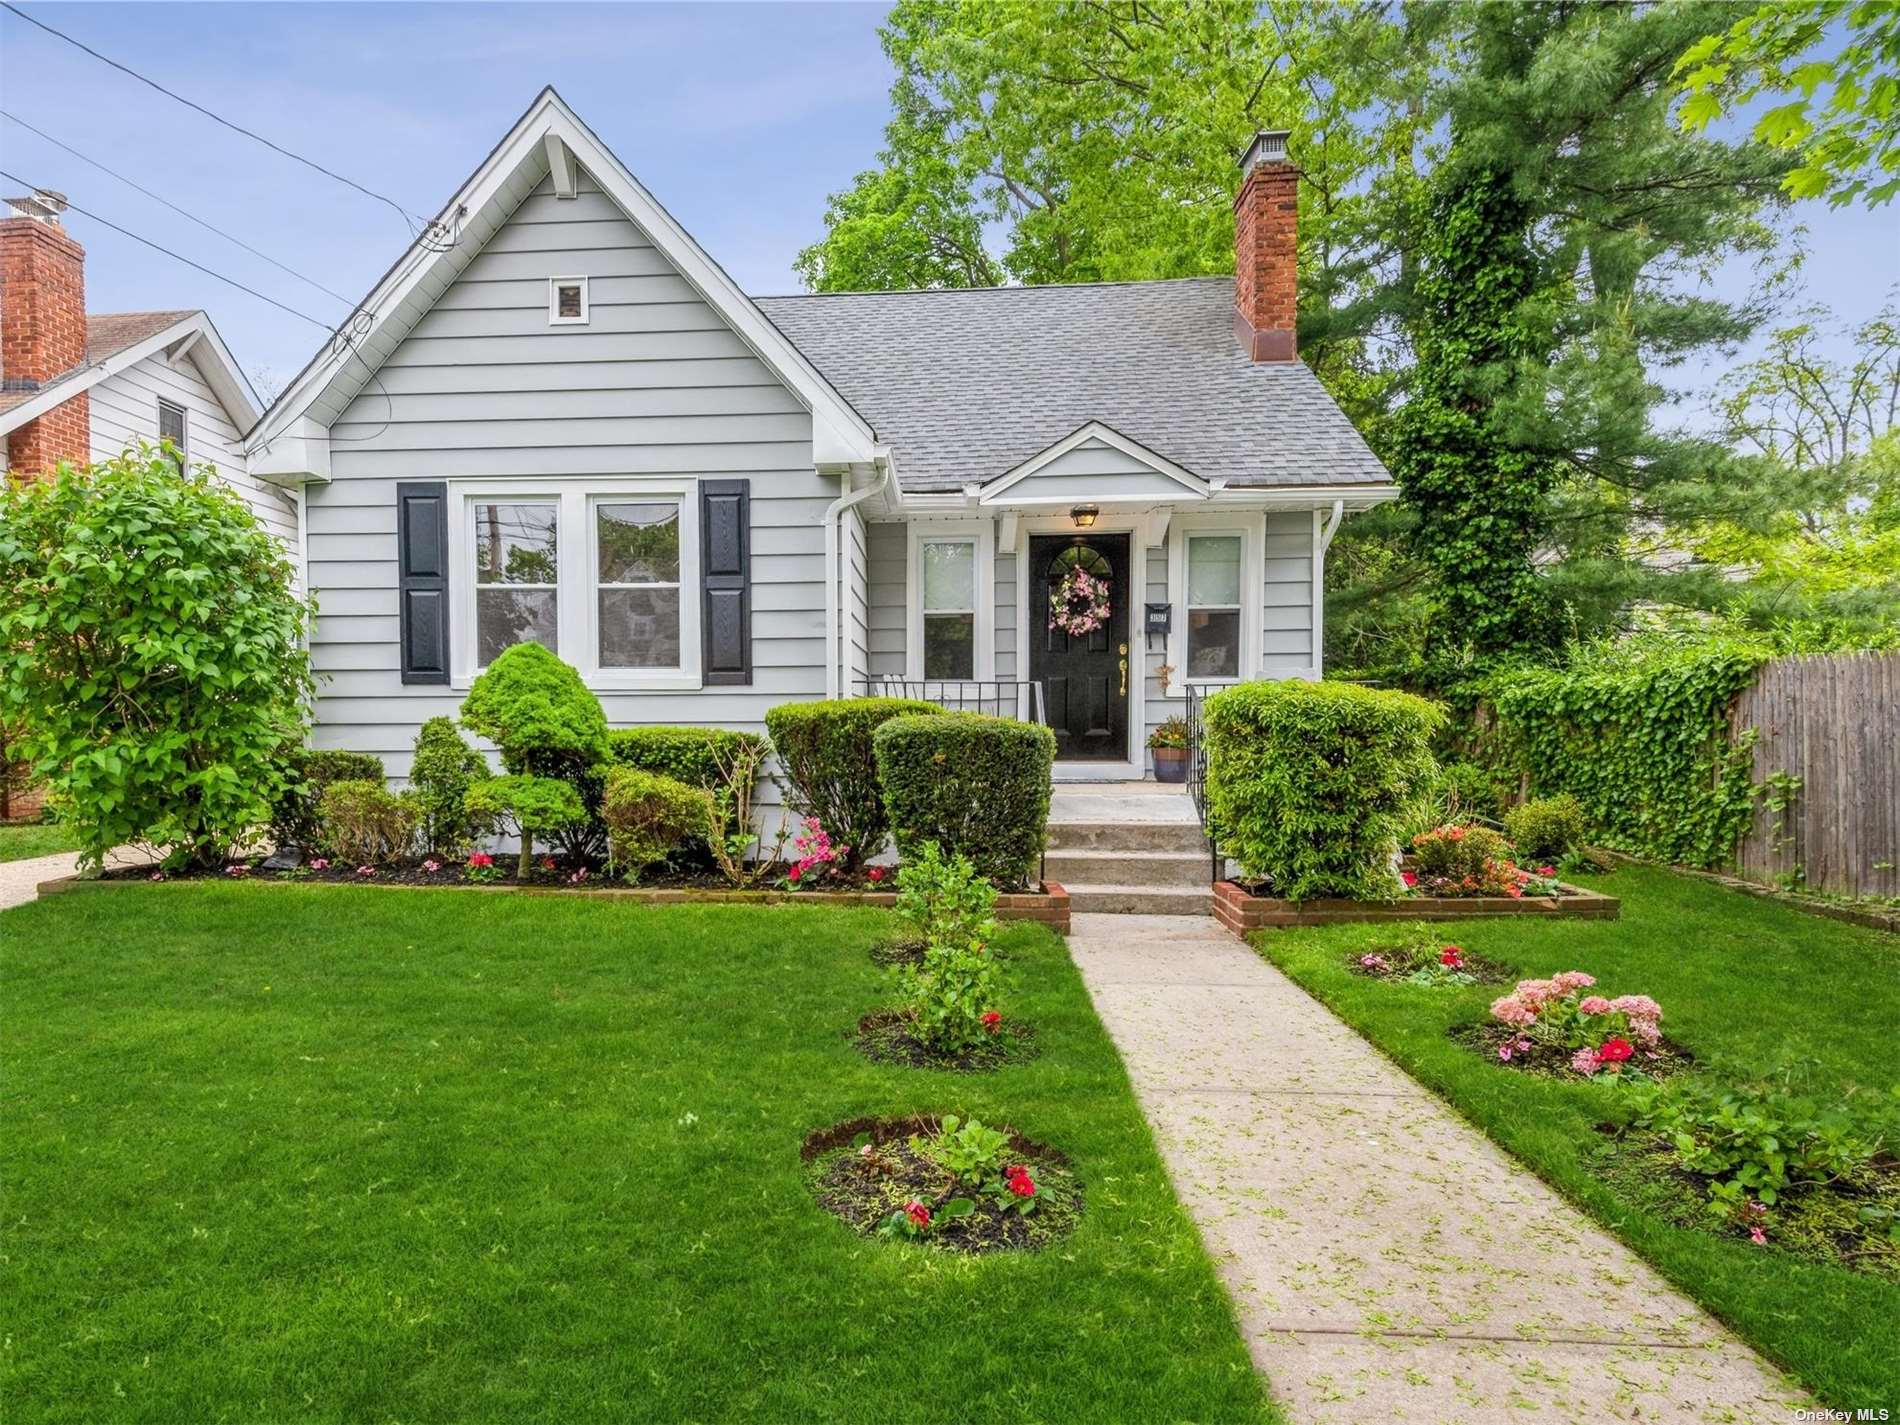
(422, 589)
(725, 567)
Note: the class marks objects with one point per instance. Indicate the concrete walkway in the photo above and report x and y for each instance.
(19, 879)
(1387, 1261)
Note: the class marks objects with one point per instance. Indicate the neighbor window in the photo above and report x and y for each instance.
(171, 427)
(567, 300)
(1213, 605)
(517, 576)
(637, 576)
(949, 606)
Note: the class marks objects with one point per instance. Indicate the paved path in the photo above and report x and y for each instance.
(18, 879)
(1388, 1262)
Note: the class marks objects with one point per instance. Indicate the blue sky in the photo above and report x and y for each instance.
(740, 118)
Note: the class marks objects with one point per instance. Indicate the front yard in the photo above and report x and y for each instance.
(338, 1154)
(24, 840)
(1749, 988)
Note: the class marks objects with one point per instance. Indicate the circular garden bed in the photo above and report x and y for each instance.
(887, 1036)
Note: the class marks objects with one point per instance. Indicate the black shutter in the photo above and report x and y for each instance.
(725, 567)
(422, 588)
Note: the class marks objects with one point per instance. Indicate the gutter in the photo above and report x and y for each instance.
(834, 567)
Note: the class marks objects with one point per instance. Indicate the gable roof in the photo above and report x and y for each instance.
(548, 138)
(1102, 456)
(117, 340)
(967, 385)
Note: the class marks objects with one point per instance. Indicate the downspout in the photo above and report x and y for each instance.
(834, 571)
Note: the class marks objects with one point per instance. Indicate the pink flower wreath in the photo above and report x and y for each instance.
(1079, 604)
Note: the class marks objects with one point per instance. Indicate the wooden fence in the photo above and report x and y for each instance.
(1833, 721)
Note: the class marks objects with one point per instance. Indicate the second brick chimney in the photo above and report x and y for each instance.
(1266, 249)
(42, 330)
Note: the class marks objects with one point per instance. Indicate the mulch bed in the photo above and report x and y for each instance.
(885, 1036)
(864, 1193)
(1481, 970)
(1665, 1059)
(560, 874)
(904, 948)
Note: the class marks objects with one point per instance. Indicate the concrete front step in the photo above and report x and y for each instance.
(1140, 900)
(1130, 868)
(1175, 836)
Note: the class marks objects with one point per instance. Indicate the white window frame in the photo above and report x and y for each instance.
(981, 534)
(184, 430)
(1251, 527)
(555, 319)
(576, 598)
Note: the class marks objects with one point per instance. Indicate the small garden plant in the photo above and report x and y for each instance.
(1556, 1024)
(1427, 960)
(1463, 859)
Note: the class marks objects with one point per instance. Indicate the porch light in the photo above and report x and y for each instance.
(1084, 516)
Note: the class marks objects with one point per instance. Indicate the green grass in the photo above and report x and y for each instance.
(337, 1154)
(1747, 986)
(27, 839)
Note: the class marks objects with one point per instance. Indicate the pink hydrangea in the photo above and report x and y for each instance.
(1535, 992)
(1637, 1007)
(1585, 1061)
(1512, 1010)
(1568, 981)
(1594, 1004)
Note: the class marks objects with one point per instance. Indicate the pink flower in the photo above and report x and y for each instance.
(1375, 962)
(156, 876)
(1546, 870)
(319, 863)
(1512, 1010)
(878, 873)
(1585, 1061)
(577, 876)
(237, 868)
(1615, 1051)
(793, 874)
(917, 1213)
(1637, 1007)
(1568, 980)
(431, 866)
(1593, 1004)
(365, 871)
(1535, 992)
(1758, 1237)
(479, 859)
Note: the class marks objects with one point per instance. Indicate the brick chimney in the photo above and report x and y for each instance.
(1266, 243)
(43, 329)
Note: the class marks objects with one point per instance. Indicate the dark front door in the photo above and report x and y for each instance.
(1084, 675)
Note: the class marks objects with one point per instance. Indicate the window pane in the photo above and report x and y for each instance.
(508, 616)
(639, 544)
(950, 646)
(1213, 643)
(1213, 570)
(639, 628)
(514, 544)
(950, 575)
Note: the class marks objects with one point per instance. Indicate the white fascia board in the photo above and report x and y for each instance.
(222, 373)
(1190, 483)
(296, 456)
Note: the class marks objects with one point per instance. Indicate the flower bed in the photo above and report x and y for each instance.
(945, 1183)
(1427, 961)
(1240, 909)
(889, 1036)
(1555, 1027)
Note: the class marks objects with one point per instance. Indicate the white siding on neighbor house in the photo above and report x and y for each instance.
(654, 383)
(125, 411)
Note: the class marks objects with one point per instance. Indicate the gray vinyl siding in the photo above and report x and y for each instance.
(1100, 473)
(855, 610)
(483, 386)
(1005, 644)
(889, 568)
(1287, 616)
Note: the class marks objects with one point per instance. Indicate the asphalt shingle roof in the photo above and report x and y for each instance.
(107, 334)
(965, 385)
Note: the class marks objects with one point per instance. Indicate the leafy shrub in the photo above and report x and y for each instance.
(545, 723)
(442, 771)
(1307, 783)
(978, 786)
(648, 817)
(944, 898)
(732, 832)
(826, 751)
(152, 651)
(1594, 1034)
(363, 821)
(527, 807)
(1458, 852)
(307, 771)
(1547, 828)
(952, 996)
(697, 756)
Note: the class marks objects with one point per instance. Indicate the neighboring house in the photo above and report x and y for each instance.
(559, 419)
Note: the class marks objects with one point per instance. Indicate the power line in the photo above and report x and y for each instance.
(156, 247)
(408, 218)
(160, 198)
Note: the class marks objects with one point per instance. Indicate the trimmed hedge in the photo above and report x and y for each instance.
(295, 816)
(976, 785)
(825, 749)
(539, 714)
(441, 772)
(697, 756)
(1308, 783)
(648, 816)
(1547, 828)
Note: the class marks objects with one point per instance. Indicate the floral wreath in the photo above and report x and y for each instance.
(1079, 604)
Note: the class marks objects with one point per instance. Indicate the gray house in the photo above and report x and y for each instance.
(556, 418)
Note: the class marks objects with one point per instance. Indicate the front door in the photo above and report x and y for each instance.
(1084, 675)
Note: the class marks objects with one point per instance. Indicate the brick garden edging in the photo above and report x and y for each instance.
(1241, 912)
(1049, 906)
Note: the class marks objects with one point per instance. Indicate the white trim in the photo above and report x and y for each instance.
(576, 591)
(834, 572)
(561, 168)
(1095, 431)
(839, 434)
(555, 284)
(1251, 526)
(981, 534)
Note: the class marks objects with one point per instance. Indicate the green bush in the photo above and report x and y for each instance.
(362, 821)
(1547, 829)
(545, 723)
(1308, 783)
(527, 807)
(945, 898)
(1459, 852)
(153, 653)
(295, 817)
(976, 785)
(697, 756)
(440, 774)
(826, 751)
(952, 997)
(648, 817)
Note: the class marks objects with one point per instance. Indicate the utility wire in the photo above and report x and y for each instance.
(160, 198)
(408, 218)
(228, 281)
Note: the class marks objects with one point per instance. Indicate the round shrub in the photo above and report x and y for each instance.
(976, 785)
(440, 774)
(1308, 783)
(539, 714)
(1547, 828)
(1459, 852)
(830, 765)
(648, 817)
(295, 819)
(153, 652)
(365, 822)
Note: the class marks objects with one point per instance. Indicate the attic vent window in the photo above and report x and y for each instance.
(567, 301)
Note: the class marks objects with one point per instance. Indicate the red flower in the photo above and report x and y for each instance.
(1020, 1182)
(1546, 870)
(1615, 1051)
(1452, 956)
(917, 1213)
(1409, 877)
(793, 875)
(547, 863)
(992, 1021)
(877, 873)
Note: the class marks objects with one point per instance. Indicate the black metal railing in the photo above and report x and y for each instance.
(1019, 698)
(1197, 766)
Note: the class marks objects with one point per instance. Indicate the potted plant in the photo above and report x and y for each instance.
(1168, 744)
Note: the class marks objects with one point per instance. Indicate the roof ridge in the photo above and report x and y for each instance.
(1011, 287)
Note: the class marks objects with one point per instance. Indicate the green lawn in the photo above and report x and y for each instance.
(1746, 985)
(329, 1154)
(43, 838)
